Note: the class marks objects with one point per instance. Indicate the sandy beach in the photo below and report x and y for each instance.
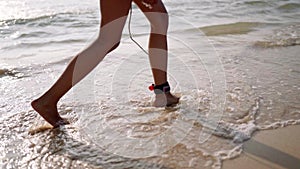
(235, 65)
(278, 149)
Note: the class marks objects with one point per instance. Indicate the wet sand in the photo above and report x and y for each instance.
(276, 149)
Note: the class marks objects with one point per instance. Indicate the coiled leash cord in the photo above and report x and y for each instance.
(130, 34)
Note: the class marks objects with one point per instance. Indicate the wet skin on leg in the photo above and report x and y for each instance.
(113, 18)
(158, 49)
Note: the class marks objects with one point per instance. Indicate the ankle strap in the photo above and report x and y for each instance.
(159, 89)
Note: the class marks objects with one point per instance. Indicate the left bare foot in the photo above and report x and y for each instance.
(49, 112)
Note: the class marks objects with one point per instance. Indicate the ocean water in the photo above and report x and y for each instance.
(245, 52)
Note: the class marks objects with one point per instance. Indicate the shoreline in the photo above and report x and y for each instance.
(277, 148)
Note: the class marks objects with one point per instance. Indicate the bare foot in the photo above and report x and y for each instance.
(48, 112)
(165, 99)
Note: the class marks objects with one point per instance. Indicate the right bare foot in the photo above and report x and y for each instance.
(48, 112)
(165, 99)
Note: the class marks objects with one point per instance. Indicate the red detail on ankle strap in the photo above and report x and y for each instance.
(151, 88)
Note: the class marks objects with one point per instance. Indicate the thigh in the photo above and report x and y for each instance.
(157, 16)
(112, 10)
(158, 7)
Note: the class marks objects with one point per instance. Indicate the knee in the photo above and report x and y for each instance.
(107, 44)
(159, 23)
(113, 47)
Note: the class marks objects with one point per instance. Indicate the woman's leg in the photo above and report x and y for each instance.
(158, 48)
(113, 18)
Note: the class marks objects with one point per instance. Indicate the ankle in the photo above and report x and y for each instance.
(160, 89)
(45, 100)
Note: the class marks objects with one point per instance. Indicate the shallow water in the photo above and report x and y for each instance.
(113, 122)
